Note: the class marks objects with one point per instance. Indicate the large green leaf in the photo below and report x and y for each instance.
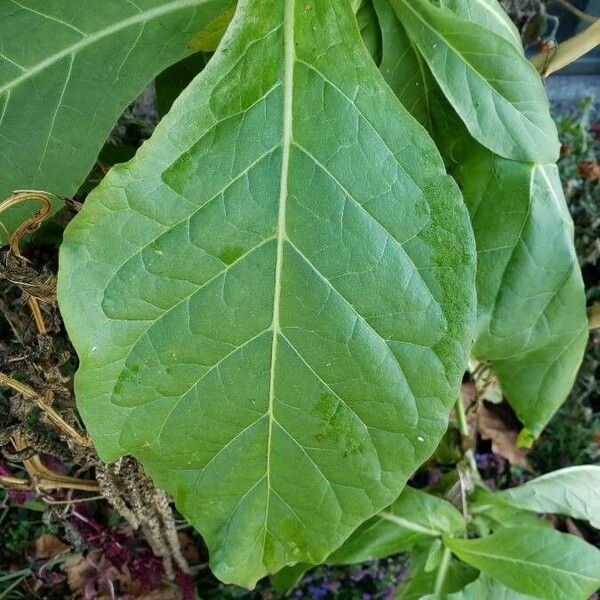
(543, 563)
(256, 296)
(68, 69)
(532, 324)
(574, 491)
(483, 588)
(531, 315)
(495, 90)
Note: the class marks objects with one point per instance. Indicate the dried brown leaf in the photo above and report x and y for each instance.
(497, 423)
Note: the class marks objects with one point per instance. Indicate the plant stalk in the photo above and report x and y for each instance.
(463, 427)
(442, 572)
(578, 13)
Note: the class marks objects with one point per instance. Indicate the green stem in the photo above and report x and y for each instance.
(440, 577)
(463, 427)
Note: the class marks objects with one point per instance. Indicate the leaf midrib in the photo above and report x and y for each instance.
(530, 563)
(88, 40)
(286, 140)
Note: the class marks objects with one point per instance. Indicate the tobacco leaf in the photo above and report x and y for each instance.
(541, 562)
(63, 89)
(256, 296)
(574, 491)
(490, 84)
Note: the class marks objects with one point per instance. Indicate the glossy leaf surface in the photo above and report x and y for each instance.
(255, 297)
(64, 82)
(574, 491)
(540, 562)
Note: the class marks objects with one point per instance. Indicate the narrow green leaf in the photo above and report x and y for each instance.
(55, 109)
(541, 562)
(532, 323)
(256, 296)
(368, 25)
(483, 588)
(490, 84)
(574, 491)
(402, 66)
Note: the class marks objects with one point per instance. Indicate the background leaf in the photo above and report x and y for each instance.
(531, 320)
(541, 562)
(64, 86)
(574, 491)
(531, 303)
(495, 90)
(254, 298)
(488, 14)
(172, 81)
(366, 19)
(491, 511)
(402, 66)
(414, 518)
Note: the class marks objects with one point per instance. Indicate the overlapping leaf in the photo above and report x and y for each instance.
(487, 13)
(483, 588)
(495, 90)
(256, 296)
(402, 66)
(411, 522)
(531, 303)
(418, 583)
(67, 71)
(414, 518)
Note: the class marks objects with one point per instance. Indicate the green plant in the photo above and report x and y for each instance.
(274, 301)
